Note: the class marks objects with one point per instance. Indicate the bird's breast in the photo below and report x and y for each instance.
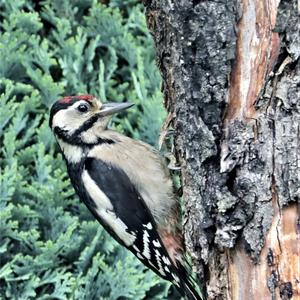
(146, 171)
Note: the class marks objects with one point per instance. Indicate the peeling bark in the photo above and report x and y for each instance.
(231, 76)
(257, 50)
(277, 274)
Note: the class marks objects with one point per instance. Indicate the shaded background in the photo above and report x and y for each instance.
(50, 245)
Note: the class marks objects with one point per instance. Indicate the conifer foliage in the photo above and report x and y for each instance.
(50, 245)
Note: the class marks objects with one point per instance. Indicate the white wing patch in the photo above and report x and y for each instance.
(160, 267)
(156, 244)
(148, 226)
(100, 199)
(139, 256)
(104, 209)
(136, 249)
(117, 225)
(176, 278)
(166, 260)
(146, 250)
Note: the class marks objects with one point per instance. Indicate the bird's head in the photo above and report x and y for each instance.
(80, 119)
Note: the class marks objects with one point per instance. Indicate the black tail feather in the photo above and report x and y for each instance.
(190, 292)
(187, 284)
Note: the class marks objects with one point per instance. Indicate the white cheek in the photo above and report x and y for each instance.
(68, 119)
(64, 120)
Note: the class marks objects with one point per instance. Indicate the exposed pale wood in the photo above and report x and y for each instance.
(278, 273)
(257, 50)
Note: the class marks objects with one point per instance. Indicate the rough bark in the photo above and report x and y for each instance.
(231, 76)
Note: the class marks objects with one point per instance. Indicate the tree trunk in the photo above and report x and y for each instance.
(231, 76)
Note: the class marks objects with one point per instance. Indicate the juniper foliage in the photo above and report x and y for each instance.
(50, 246)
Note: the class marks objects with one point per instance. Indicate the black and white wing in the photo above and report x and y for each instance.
(117, 205)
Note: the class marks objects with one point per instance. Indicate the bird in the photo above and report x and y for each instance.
(125, 184)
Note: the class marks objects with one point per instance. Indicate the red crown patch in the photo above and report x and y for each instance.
(68, 99)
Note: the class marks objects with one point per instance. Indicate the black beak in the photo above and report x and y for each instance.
(113, 107)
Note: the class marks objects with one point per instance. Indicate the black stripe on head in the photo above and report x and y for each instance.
(87, 125)
(75, 139)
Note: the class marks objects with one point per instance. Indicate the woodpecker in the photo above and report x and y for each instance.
(125, 185)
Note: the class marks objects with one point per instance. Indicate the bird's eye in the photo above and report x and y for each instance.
(83, 108)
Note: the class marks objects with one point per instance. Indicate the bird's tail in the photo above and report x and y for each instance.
(173, 241)
(187, 285)
(190, 291)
